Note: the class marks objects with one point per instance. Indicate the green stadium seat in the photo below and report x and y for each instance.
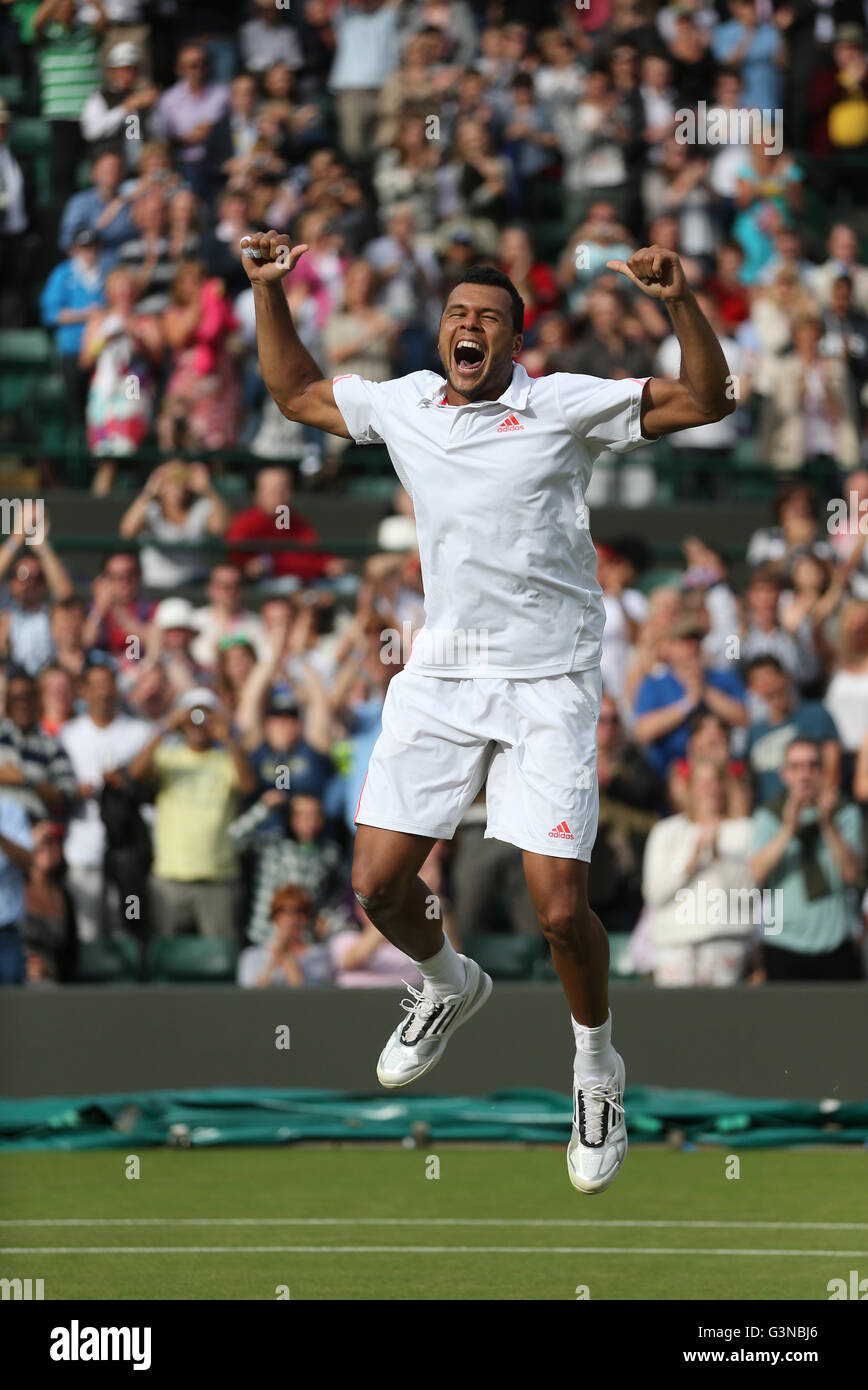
(619, 967)
(191, 960)
(26, 347)
(544, 971)
(29, 135)
(504, 957)
(11, 89)
(113, 960)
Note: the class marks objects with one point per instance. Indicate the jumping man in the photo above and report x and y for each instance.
(502, 687)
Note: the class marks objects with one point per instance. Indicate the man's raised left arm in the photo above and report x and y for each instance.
(704, 391)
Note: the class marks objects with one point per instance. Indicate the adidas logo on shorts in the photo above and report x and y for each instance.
(561, 832)
(510, 423)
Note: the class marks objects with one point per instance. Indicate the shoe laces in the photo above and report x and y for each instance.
(418, 1008)
(596, 1096)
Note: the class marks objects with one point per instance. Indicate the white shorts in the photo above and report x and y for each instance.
(531, 743)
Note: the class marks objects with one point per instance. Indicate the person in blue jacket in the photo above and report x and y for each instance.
(71, 290)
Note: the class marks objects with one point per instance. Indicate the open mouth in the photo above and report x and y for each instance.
(468, 357)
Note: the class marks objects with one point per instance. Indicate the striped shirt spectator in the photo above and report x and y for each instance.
(68, 69)
(34, 769)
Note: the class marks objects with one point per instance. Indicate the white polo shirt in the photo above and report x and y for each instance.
(508, 565)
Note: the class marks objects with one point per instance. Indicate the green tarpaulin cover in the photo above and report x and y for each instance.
(202, 1118)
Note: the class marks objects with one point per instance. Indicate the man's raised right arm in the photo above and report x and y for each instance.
(293, 378)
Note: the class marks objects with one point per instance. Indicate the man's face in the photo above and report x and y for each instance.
(770, 685)
(282, 731)
(224, 588)
(478, 341)
(603, 312)
(801, 773)
(841, 298)
(685, 653)
(149, 212)
(242, 95)
(306, 818)
(123, 573)
(843, 245)
(273, 489)
(191, 66)
(21, 703)
(67, 625)
(107, 172)
(27, 585)
(99, 692)
(762, 602)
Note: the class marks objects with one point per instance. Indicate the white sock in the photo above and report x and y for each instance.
(445, 972)
(595, 1055)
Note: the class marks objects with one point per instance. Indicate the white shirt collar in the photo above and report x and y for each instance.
(515, 395)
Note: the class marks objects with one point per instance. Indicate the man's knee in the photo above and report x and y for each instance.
(566, 922)
(377, 887)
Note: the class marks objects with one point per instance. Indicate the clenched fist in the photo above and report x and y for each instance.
(656, 271)
(269, 256)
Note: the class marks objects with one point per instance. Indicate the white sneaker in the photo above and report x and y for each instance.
(598, 1145)
(417, 1044)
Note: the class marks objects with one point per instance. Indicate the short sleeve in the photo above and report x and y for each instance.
(765, 828)
(818, 723)
(362, 404)
(849, 824)
(15, 824)
(648, 697)
(604, 414)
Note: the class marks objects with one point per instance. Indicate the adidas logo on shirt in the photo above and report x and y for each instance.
(510, 423)
(561, 832)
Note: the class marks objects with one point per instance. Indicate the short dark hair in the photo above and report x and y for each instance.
(766, 661)
(490, 275)
(799, 739)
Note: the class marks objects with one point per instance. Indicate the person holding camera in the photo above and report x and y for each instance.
(199, 771)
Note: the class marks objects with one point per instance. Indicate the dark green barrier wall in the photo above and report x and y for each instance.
(783, 1041)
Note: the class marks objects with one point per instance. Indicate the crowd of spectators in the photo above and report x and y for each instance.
(171, 767)
(402, 140)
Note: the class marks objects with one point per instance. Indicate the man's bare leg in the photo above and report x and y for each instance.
(387, 884)
(576, 936)
(386, 881)
(580, 954)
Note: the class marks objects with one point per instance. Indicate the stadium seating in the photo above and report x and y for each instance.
(113, 960)
(504, 957)
(191, 960)
(620, 965)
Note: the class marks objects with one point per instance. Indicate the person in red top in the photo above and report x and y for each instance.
(536, 282)
(726, 288)
(272, 518)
